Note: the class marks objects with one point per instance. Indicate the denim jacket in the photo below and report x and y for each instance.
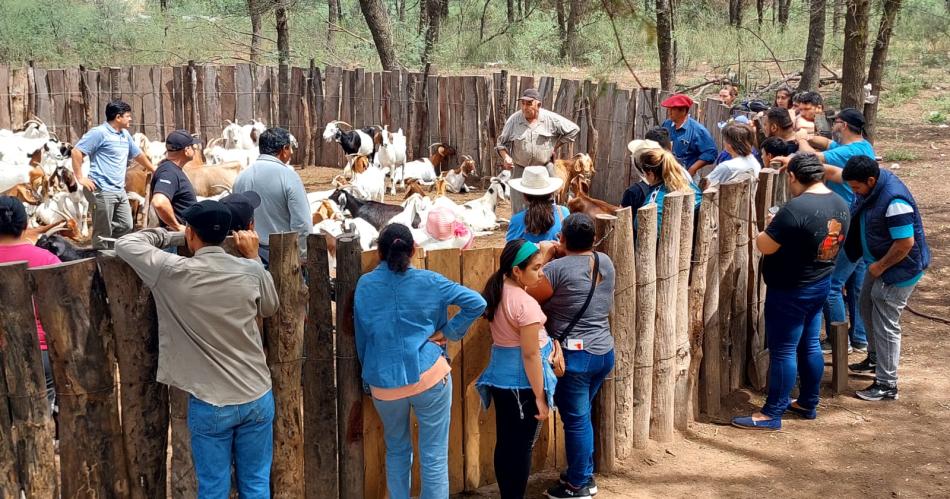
(396, 313)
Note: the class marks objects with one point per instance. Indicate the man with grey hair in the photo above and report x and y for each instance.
(531, 137)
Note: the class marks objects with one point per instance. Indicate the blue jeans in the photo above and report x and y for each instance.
(433, 409)
(850, 276)
(575, 392)
(792, 327)
(242, 435)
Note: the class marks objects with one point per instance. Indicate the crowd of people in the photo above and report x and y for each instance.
(849, 246)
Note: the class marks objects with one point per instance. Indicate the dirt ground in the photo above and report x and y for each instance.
(854, 448)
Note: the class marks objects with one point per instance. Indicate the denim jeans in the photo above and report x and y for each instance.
(575, 392)
(433, 409)
(242, 435)
(849, 276)
(881, 306)
(792, 327)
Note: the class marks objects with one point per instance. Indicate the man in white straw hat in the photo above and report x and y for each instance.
(532, 136)
(541, 218)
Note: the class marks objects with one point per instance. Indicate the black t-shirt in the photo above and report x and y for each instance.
(174, 184)
(636, 196)
(811, 229)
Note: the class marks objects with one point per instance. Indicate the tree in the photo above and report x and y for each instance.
(569, 36)
(664, 44)
(783, 8)
(283, 60)
(378, 21)
(735, 12)
(511, 11)
(333, 19)
(855, 47)
(434, 19)
(878, 59)
(256, 8)
(836, 17)
(813, 50)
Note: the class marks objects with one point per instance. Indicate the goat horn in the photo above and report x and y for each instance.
(467, 157)
(53, 136)
(54, 230)
(338, 123)
(434, 144)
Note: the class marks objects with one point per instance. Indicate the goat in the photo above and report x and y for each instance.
(355, 163)
(376, 213)
(325, 210)
(63, 249)
(581, 165)
(153, 149)
(391, 151)
(218, 154)
(333, 229)
(425, 169)
(582, 203)
(211, 180)
(455, 178)
(414, 187)
(137, 183)
(371, 181)
(359, 141)
(237, 136)
(479, 214)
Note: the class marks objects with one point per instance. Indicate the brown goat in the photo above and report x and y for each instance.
(414, 187)
(581, 165)
(137, 181)
(582, 203)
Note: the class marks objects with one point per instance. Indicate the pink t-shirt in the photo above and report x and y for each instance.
(34, 257)
(517, 308)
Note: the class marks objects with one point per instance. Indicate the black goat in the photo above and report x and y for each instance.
(63, 249)
(377, 214)
(360, 141)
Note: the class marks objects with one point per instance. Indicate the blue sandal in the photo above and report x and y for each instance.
(747, 423)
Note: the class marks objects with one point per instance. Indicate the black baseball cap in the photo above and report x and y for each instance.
(180, 139)
(210, 219)
(242, 206)
(530, 93)
(852, 117)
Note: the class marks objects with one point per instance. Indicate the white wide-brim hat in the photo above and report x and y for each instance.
(637, 146)
(535, 181)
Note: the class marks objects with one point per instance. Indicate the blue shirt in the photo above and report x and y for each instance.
(109, 152)
(396, 313)
(838, 155)
(516, 228)
(284, 206)
(900, 225)
(691, 142)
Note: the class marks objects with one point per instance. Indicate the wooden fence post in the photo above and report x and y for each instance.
(184, 484)
(839, 357)
(740, 299)
(21, 364)
(710, 389)
(705, 228)
(605, 404)
(682, 412)
(284, 355)
(664, 349)
(349, 381)
(645, 263)
(623, 324)
(319, 401)
(79, 335)
(144, 402)
(729, 196)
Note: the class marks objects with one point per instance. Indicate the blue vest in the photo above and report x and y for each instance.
(876, 233)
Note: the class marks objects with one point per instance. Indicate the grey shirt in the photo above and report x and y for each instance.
(284, 206)
(209, 344)
(570, 278)
(533, 144)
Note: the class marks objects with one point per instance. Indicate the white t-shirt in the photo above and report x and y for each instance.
(730, 170)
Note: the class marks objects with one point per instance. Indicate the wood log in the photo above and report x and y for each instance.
(839, 357)
(349, 380)
(740, 299)
(729, 196)
(284, 341)
(374, 449)
(184, 484)
(604, 409)
(645, 263)
(79, 335)
(21, 364)
(320, 416)
(697, 291)
(623, 326)
(144, 402)
(759, 360)
(682, 411)
(664, 348)
(709, 376)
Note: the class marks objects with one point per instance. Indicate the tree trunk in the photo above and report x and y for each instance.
(569, 44)
(855, 47)
(878, 58)
(254, 10)
(511, 11)
(434, 15)
(664, 44)
(283, 60)
(375, 13)
(401, 9)
(813, 51)
(760, 11)
(445, 9)
(836, 17)
(561, 26)
(333, 19)
(783, 7)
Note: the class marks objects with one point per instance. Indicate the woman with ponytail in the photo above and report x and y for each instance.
(664, 175)
(519, 378)
(401, 330)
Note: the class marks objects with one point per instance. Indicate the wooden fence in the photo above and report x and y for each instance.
(467, 112)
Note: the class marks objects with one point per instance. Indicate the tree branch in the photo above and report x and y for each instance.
(623, 56)
(774, 58)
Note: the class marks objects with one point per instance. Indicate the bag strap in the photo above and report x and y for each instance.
(593, 285)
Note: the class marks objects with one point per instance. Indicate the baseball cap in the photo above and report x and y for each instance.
(530, 94)
(242, 206)
(852, 117)
(210, 219)
(677, 100)
(180, 139)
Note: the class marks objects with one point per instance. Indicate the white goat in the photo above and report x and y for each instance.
(65, 206)
(479, 214)
(372, 183)
(237, 136)
(217, 154)
(455, 178)
(392, 153)
(154, 150)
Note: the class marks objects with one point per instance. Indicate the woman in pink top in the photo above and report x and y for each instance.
(519, 378)
(16, 248)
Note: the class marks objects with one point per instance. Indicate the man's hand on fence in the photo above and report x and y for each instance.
(247, 242)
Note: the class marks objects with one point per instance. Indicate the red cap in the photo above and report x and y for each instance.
(677, 100)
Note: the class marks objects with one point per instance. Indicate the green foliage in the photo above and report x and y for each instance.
(936, 118)
(901, 89)
(900, 155)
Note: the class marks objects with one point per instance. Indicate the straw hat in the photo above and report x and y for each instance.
(535, 181)
(637, 146)
(442, 225)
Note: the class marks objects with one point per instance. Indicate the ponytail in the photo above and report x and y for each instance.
(496, 283)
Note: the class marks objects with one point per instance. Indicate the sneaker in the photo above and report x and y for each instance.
(865, 366)
(862, 348)
(826, 347)
(747, 423)
(563, 491)
(591, 484)
(877, 391)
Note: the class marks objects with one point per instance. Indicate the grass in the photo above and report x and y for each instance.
(939, 110)
(900, 155)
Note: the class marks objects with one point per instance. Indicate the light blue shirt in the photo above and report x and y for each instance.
(838, 155)
(284, 206)
(517, 230)
(109, 152)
